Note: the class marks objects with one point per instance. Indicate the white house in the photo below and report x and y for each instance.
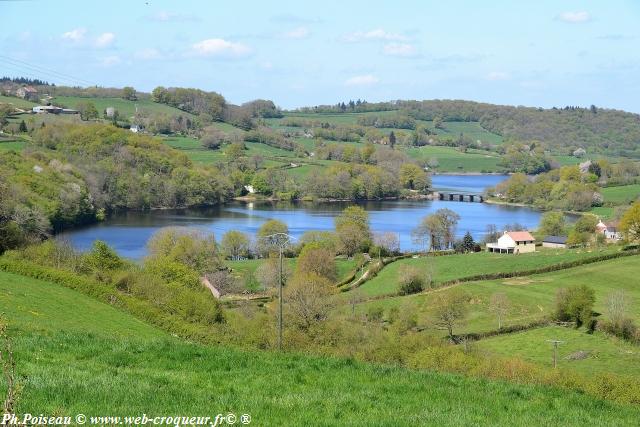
(609, 229)
(513, 242)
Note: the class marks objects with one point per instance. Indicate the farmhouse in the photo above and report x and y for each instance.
(513, 242)
(554, 242)
(609, 229)
(27, 92)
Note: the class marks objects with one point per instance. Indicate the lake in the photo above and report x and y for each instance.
(128, 233)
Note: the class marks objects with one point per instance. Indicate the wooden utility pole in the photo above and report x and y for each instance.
(555, 351)
(280, 302)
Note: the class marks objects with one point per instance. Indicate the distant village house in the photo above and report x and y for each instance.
(27, 92)
(609, 229)
(513, 242)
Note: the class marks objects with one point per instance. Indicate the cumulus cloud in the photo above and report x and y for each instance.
(365, 80)
(220, 48)
(109, 61)
(75, 35)
(497, 75)
(297, 33)
(399, 49)
(575, 17)
(374, 35)
(105, 39)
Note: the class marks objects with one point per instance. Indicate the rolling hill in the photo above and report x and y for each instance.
(96, 360)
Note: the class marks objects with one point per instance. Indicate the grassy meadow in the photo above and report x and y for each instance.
(17, 102)
(450, 159)
(125, 107)
(621, 195)
(96, 360)
(451, 267)
(11, 144)
(531, 297)
(604, 353)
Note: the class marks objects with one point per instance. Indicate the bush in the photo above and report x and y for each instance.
(575, 304)
(375, 313)
(624, 328)
(411, 280)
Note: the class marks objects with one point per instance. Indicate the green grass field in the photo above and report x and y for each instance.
(532, 297)
(605, 354)
(125, 107)
(6, 145)
(196, 152)
(621, 195)
(473, 130)
(451, 160)
(445, 268)
(95, 360)
(17, 102)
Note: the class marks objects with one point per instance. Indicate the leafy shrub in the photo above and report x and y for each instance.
(575, 304)
(412, 280)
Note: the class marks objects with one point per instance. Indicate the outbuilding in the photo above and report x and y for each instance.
(554, 242)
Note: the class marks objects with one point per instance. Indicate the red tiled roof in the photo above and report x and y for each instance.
(520, 236)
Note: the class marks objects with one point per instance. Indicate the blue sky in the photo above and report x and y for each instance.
(542, 53)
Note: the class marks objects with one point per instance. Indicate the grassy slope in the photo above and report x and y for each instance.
(125, 107)
(446, 268)
(451, 160)
(622, 194)
(606, 354)
(17, 102)
(12, 145)
(197, 153)
(533, 297)
(97, 361)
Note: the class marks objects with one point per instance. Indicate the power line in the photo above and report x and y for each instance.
(40, 68)
(44, 70)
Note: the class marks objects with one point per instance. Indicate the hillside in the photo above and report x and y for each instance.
(562, 130)
(116, 365)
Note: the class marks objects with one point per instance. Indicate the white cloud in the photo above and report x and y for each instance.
(148, 54)
(364, 80)
(575, 17)
(399, 49)
(109, 61)
(297, 33)
(75, 35)
(374, 35)
(497, 75)
(220, 48)
(105, 39)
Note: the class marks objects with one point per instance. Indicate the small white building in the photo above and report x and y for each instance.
(513, 242)
(609, 229)
(135, 128)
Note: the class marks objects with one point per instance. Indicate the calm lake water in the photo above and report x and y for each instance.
(129, 232)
